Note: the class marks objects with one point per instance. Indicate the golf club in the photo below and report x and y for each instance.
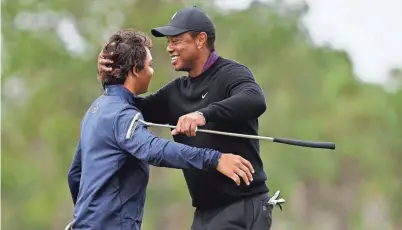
(310, 144)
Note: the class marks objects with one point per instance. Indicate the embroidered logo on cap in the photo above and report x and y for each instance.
(174, 15)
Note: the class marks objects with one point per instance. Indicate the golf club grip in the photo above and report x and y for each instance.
(311, 144)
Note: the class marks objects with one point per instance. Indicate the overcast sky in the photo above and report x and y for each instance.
(370, 31)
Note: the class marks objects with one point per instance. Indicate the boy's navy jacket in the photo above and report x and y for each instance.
(109, 173)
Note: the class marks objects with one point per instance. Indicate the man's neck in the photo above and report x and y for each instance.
(199, 65)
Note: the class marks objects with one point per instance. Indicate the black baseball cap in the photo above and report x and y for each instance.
(187, 19)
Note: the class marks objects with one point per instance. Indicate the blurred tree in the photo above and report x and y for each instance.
(49, 80)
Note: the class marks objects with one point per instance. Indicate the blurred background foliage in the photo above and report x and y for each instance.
(49, 80)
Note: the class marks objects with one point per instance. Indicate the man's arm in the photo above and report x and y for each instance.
(74, 174)
(155, 106)
(245, 101)
(245, 98)
(164, 153)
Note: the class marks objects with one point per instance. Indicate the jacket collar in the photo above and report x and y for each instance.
(210, 61)
(121, 91)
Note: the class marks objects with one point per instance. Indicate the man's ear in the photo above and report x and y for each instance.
(201, 39)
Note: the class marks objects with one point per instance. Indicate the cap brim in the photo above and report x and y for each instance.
(167, 31)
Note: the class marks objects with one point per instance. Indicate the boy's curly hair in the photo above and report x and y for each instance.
(126, 49)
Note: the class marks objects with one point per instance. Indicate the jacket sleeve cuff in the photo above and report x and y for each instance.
(215, 160)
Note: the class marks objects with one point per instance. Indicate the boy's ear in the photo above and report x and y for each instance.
(135, 71)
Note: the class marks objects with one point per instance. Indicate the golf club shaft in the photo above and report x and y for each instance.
(310, 144)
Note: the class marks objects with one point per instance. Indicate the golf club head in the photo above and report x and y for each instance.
(133, 125)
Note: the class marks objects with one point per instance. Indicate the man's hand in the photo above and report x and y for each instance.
(188, 124)
(103, 61)
(234, 167)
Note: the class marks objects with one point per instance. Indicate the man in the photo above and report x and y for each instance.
(109, 173)
(218, 94)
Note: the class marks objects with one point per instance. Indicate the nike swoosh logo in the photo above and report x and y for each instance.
(203, 96)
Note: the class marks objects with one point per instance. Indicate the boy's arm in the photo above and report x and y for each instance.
(74, 174)
(158, 151)
(164, 153)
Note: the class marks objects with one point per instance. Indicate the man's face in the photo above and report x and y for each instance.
(183, 51)
(145, 75)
